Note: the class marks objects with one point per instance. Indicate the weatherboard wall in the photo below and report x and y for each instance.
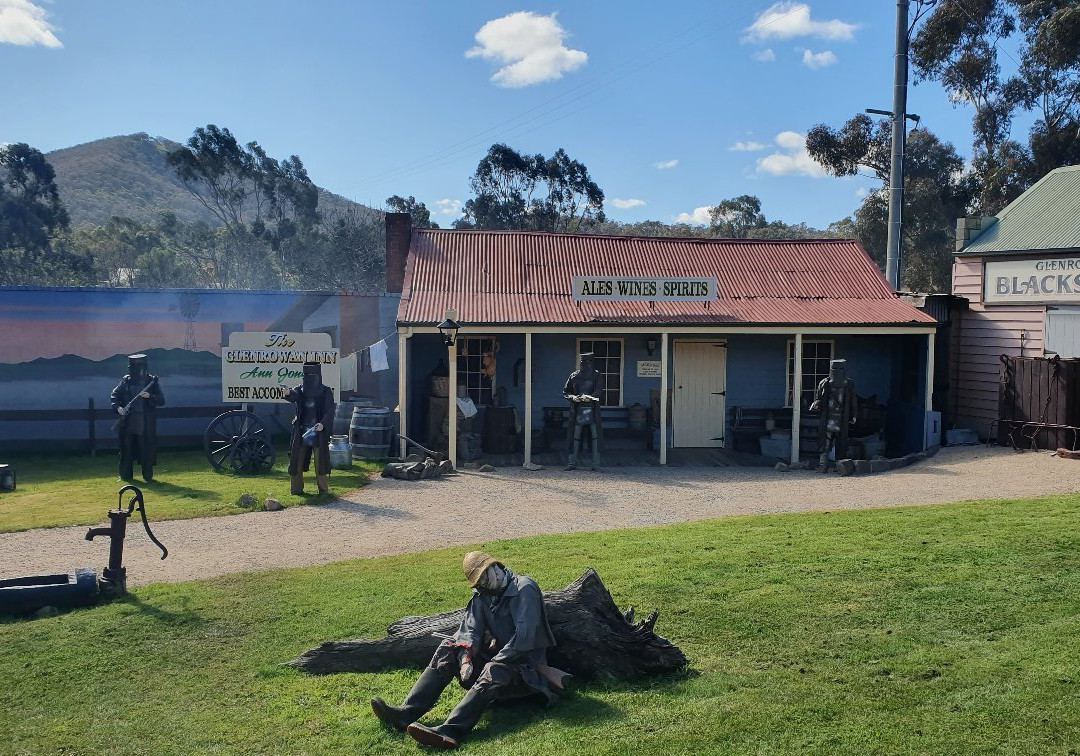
(984, 332)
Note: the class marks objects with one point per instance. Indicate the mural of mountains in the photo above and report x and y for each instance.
(127, 176)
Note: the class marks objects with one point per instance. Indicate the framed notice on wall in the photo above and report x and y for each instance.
(648, 369)
(262, 367)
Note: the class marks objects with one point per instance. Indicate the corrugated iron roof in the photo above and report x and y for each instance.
(519, 277)
(1046, 216)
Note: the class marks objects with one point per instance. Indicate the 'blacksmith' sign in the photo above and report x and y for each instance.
(262, 367)
(628, 289)
(1049, 279)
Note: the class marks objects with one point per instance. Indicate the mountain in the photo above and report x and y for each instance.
(127, 176)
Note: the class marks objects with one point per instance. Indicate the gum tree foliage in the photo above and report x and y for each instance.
(958, 45)
(261, 202)
(736, 218)
(421, 216)
(936, 193)
(531, 192)
(31, 219)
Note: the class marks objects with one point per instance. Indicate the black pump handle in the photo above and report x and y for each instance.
(137, 498)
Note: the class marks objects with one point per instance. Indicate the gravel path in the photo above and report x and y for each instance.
(391, 516)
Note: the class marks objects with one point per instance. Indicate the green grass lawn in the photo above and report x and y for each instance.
(946, 629)
(79, 489)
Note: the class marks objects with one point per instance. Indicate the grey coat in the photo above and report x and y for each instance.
(517, 622)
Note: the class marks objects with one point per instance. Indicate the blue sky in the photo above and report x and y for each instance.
(672, 106)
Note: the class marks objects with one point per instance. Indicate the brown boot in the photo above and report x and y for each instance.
(391, 716)
(430, 736)
(323, 482)
(296, 484)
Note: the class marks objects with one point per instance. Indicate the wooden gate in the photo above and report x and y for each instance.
(1039, 402)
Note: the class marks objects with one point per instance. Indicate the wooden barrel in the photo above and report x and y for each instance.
(344, 412)
(370, 432)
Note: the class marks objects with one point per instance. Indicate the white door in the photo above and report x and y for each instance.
(700, 380)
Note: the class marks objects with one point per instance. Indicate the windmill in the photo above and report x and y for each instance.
(189, 308)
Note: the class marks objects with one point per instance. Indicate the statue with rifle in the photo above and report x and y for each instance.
(583, 390)
(136, 399)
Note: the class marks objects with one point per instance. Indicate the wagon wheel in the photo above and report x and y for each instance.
(251, 455)
(224, 432)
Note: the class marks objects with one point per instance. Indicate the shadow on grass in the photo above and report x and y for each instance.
(185, 617)
(187, 492)
(574, 707)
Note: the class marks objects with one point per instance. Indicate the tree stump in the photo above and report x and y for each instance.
(593, 639)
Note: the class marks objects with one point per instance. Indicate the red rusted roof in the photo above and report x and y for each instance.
(520, 277)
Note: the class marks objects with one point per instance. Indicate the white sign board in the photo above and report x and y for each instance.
(648, 369)
(262, 367)
(628, 289)
(1050, 279)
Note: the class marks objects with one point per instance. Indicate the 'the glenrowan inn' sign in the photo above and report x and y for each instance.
(1040, 280)
(627, 289)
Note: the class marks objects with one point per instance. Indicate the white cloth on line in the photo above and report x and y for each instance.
(348, 372)
(378, 357)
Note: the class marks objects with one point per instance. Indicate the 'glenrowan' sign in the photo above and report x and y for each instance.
(628, 289)
(1033, 280)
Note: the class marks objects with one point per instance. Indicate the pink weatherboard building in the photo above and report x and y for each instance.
(1020, 274)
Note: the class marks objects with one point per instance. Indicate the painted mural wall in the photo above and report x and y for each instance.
(60, 347)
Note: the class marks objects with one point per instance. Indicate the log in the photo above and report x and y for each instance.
(594, 640)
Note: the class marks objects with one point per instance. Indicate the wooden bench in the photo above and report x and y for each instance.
(748, 425)
(614, 423)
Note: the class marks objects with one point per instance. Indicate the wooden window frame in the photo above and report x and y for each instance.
(622, 363)
(477, 391)
(789, 366)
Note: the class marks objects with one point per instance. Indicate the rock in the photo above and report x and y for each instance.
(782, 467)
(879, 465)
(46, 611)
(845, 467)
(1067, 454)
(532, 466)
(247, 501)
(272, 505)
(470, 466)
(486, 468)
(862, 467)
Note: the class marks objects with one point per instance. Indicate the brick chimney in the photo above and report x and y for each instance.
(398, 236)
(968, 229)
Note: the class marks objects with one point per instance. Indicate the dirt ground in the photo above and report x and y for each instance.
(391, 516)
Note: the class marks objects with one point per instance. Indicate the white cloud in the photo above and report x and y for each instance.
(787, 20)
(699, 216)
(792, 159)
(448, 207)
(748, 146)
(765, 56)
(790, 140)
(528, 46)
(663, 165)
(622, 204)
(23, 23)
(861, 192)
(818, 60)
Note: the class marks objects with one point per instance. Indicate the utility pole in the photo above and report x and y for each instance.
(899, 127)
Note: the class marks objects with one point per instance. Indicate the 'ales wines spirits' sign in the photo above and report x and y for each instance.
(628, 289)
